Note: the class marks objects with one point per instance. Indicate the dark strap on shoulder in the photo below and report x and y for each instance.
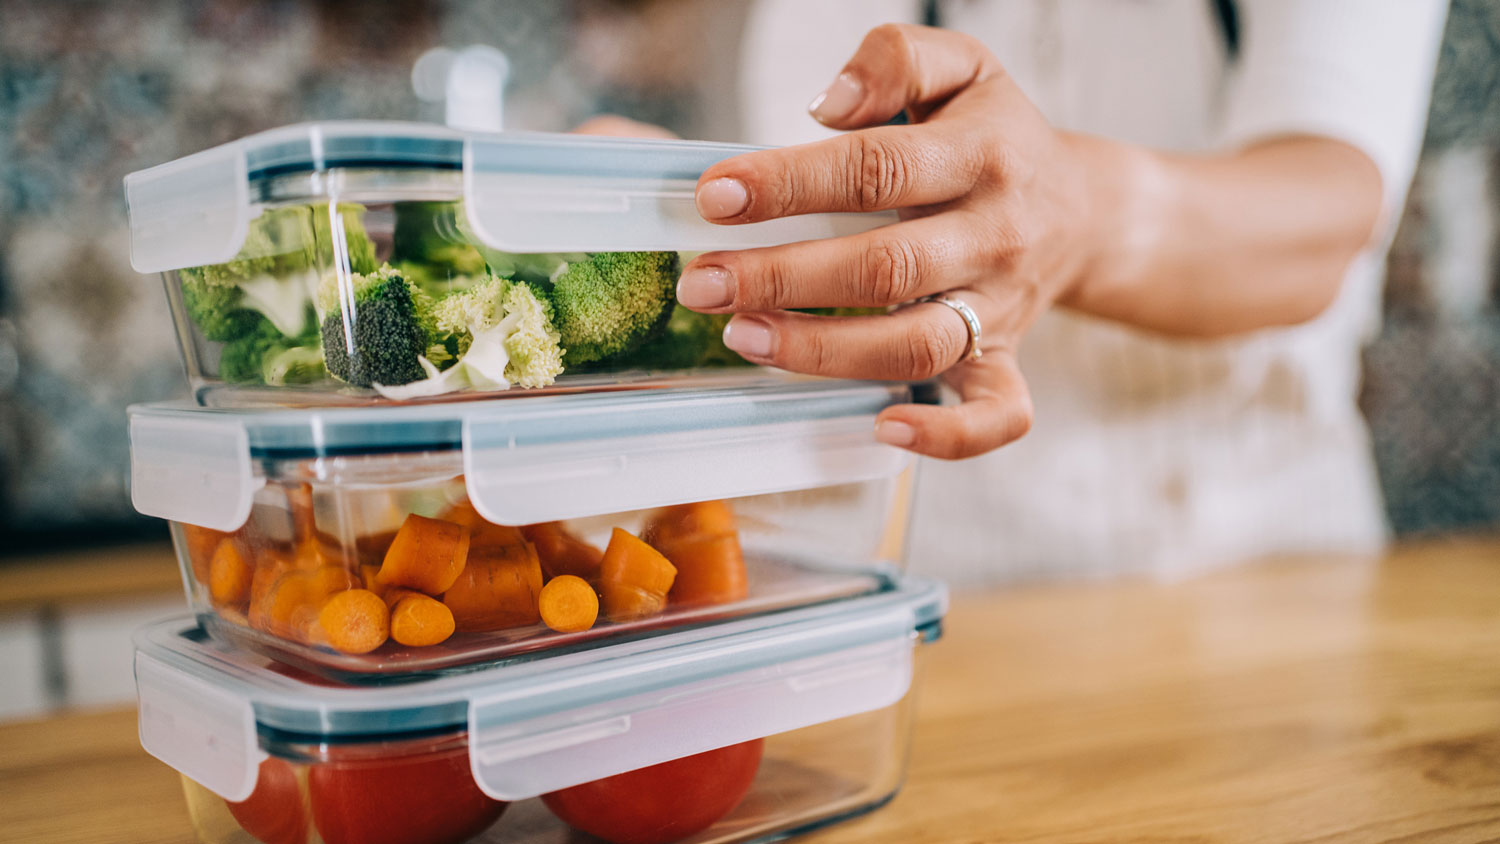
(1229, 25)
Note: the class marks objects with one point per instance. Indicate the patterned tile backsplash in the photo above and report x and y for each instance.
(91, 91)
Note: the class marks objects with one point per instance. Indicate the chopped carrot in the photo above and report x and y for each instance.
(418, 621)
(710, 570)
(367, 574)
(392, 595)
(229, 576)
(355, 621)
(200, 543)
(371, 548)
(270, 567)
(482, 533)
(702, 518)
(285, 609)
(497, 589)
(568, 604)
(701, 541)
(634, 578)
(563, 553)
(426, 555)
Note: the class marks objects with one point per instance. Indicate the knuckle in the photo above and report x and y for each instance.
(878, 173)
(766, 286)
(929, 349)
(892, 272)
(813, 354)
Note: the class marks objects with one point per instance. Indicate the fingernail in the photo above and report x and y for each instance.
(706, 287)
(839, 100)
(750, 337)
(722, 198)
(893, 432)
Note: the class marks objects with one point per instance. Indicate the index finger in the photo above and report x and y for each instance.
(868, 170)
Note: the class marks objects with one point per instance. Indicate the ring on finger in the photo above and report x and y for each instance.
(971, 322)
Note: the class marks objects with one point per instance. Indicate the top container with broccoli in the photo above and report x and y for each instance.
(371, 262)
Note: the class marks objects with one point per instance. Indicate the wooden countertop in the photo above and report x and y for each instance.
(1319, 701)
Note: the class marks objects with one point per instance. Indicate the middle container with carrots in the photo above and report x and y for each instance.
(369, 543)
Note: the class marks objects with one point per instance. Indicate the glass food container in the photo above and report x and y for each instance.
(753, 729)
(376, 542)
(364, 262)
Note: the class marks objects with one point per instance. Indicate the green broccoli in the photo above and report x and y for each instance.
(690, 340)
(613, 302)
(383, 340)
(293, 365)
(499, 315)
(223, 300)
(217, 310)
(240, 359)
(428, 235)
(357, 241)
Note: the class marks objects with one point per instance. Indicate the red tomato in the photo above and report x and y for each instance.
(429, 798)
(274, 812)
(663, 802)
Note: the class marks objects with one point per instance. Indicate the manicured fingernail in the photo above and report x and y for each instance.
(893, 432)
(706, 287)
(750, 337)
(722, 198)
(839, 100)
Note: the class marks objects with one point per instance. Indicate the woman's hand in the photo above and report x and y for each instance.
(997, 211)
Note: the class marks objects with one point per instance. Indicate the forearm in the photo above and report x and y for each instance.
(1209, 246)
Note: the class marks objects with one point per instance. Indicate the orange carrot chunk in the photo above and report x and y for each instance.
(634, 578)
(563, 553)
(355, 621)
(568, 604)
(482, 533)
(498, 589)
(229, 576)
(683, 521)
(200, 543)
(426, 555)
(419, 621)
(710, 570)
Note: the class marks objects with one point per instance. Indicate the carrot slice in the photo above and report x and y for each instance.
(497, 589)
(229, 576)
(634, 578)
(419, 621)
(568, 604)
(426, 555)
(355, 621)
(563, 553)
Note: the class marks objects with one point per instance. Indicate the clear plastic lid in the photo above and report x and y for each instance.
(523, 192)
(553, 722)
(538, 459)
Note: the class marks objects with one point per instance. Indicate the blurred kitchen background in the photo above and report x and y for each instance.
(91, 90)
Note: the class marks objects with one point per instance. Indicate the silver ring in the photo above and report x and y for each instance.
(971, 321)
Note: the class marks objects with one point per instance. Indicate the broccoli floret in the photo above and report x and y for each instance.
(356, 240)
(240, 359)
(690, 340)
(428, 235)
(613, 302)
(293, 365)
(389, 330)
(217, 310)
(510, 312)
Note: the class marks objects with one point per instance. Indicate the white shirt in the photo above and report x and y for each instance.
(1151, 455)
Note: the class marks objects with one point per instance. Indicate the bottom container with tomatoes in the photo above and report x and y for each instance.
(752, 729)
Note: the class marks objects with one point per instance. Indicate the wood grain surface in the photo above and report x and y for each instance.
(1319, 701)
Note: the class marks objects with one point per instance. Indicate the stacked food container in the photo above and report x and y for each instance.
(470, 515)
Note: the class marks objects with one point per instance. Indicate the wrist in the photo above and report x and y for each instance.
(1123, 220)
